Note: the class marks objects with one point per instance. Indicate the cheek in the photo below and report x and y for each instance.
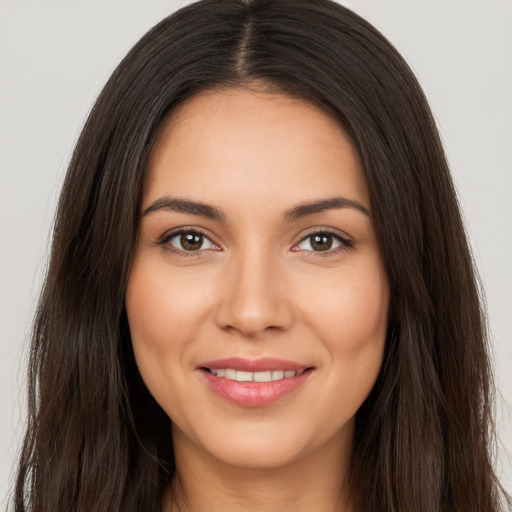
(164, 311)
(351, 319)
(350, 306)
(162, 308)
(361, 339)
(363, 310)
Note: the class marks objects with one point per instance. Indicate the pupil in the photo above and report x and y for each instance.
(321, 242)
(191, 241)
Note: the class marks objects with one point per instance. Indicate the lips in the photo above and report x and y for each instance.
(254, 382)
(263, 376)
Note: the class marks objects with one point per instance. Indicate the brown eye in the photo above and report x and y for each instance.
(322, 241)
(190, 241)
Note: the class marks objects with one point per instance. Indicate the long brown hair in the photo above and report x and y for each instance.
(96, 440)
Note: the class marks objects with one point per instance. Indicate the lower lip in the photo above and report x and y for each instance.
(254, 394)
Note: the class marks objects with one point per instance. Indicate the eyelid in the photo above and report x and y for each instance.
(172, 233)
(346, 242)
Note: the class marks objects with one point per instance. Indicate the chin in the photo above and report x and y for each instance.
(262, 445)
(259, 454)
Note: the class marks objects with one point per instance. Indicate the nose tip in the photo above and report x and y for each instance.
(254, 300)
(251, 319)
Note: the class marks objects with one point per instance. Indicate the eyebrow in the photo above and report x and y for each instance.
(312, 207)
(295, 213)
(185, 206)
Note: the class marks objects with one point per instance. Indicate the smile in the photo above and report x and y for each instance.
(254, 383)
(243, 376)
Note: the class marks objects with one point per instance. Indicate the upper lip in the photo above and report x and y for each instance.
(253, 365)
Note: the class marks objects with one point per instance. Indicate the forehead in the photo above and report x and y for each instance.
(240, 143)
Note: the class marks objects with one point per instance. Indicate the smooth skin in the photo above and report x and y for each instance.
(244, 279)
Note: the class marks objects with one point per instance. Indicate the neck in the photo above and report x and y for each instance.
(205, 484)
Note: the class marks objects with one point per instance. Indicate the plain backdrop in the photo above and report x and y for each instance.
(56, 55)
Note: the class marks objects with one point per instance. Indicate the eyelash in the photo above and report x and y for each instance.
(164, 240)
(167, 237)
(345, 243)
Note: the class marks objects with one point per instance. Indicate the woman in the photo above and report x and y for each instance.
(260, 294)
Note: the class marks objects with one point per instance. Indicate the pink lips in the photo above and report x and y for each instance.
(254, 394)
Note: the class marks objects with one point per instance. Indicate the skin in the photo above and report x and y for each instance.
(258, 288)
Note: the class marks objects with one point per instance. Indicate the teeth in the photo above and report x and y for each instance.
(279, 374)
(244, 376)
(262, 376)
(267, 376)
(230, 374)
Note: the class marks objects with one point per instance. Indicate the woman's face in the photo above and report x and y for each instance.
(257, 300)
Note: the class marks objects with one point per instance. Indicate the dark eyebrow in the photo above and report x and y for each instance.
(322, 205)
(297, 212)
(184, 206)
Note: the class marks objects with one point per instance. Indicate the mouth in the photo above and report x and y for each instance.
(263, 376)
(254, 383)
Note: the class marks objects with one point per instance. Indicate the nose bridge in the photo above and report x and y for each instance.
(253, 297)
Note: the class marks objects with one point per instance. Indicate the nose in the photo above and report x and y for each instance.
(254, 297)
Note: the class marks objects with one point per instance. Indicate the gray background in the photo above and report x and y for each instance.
(56, 55)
